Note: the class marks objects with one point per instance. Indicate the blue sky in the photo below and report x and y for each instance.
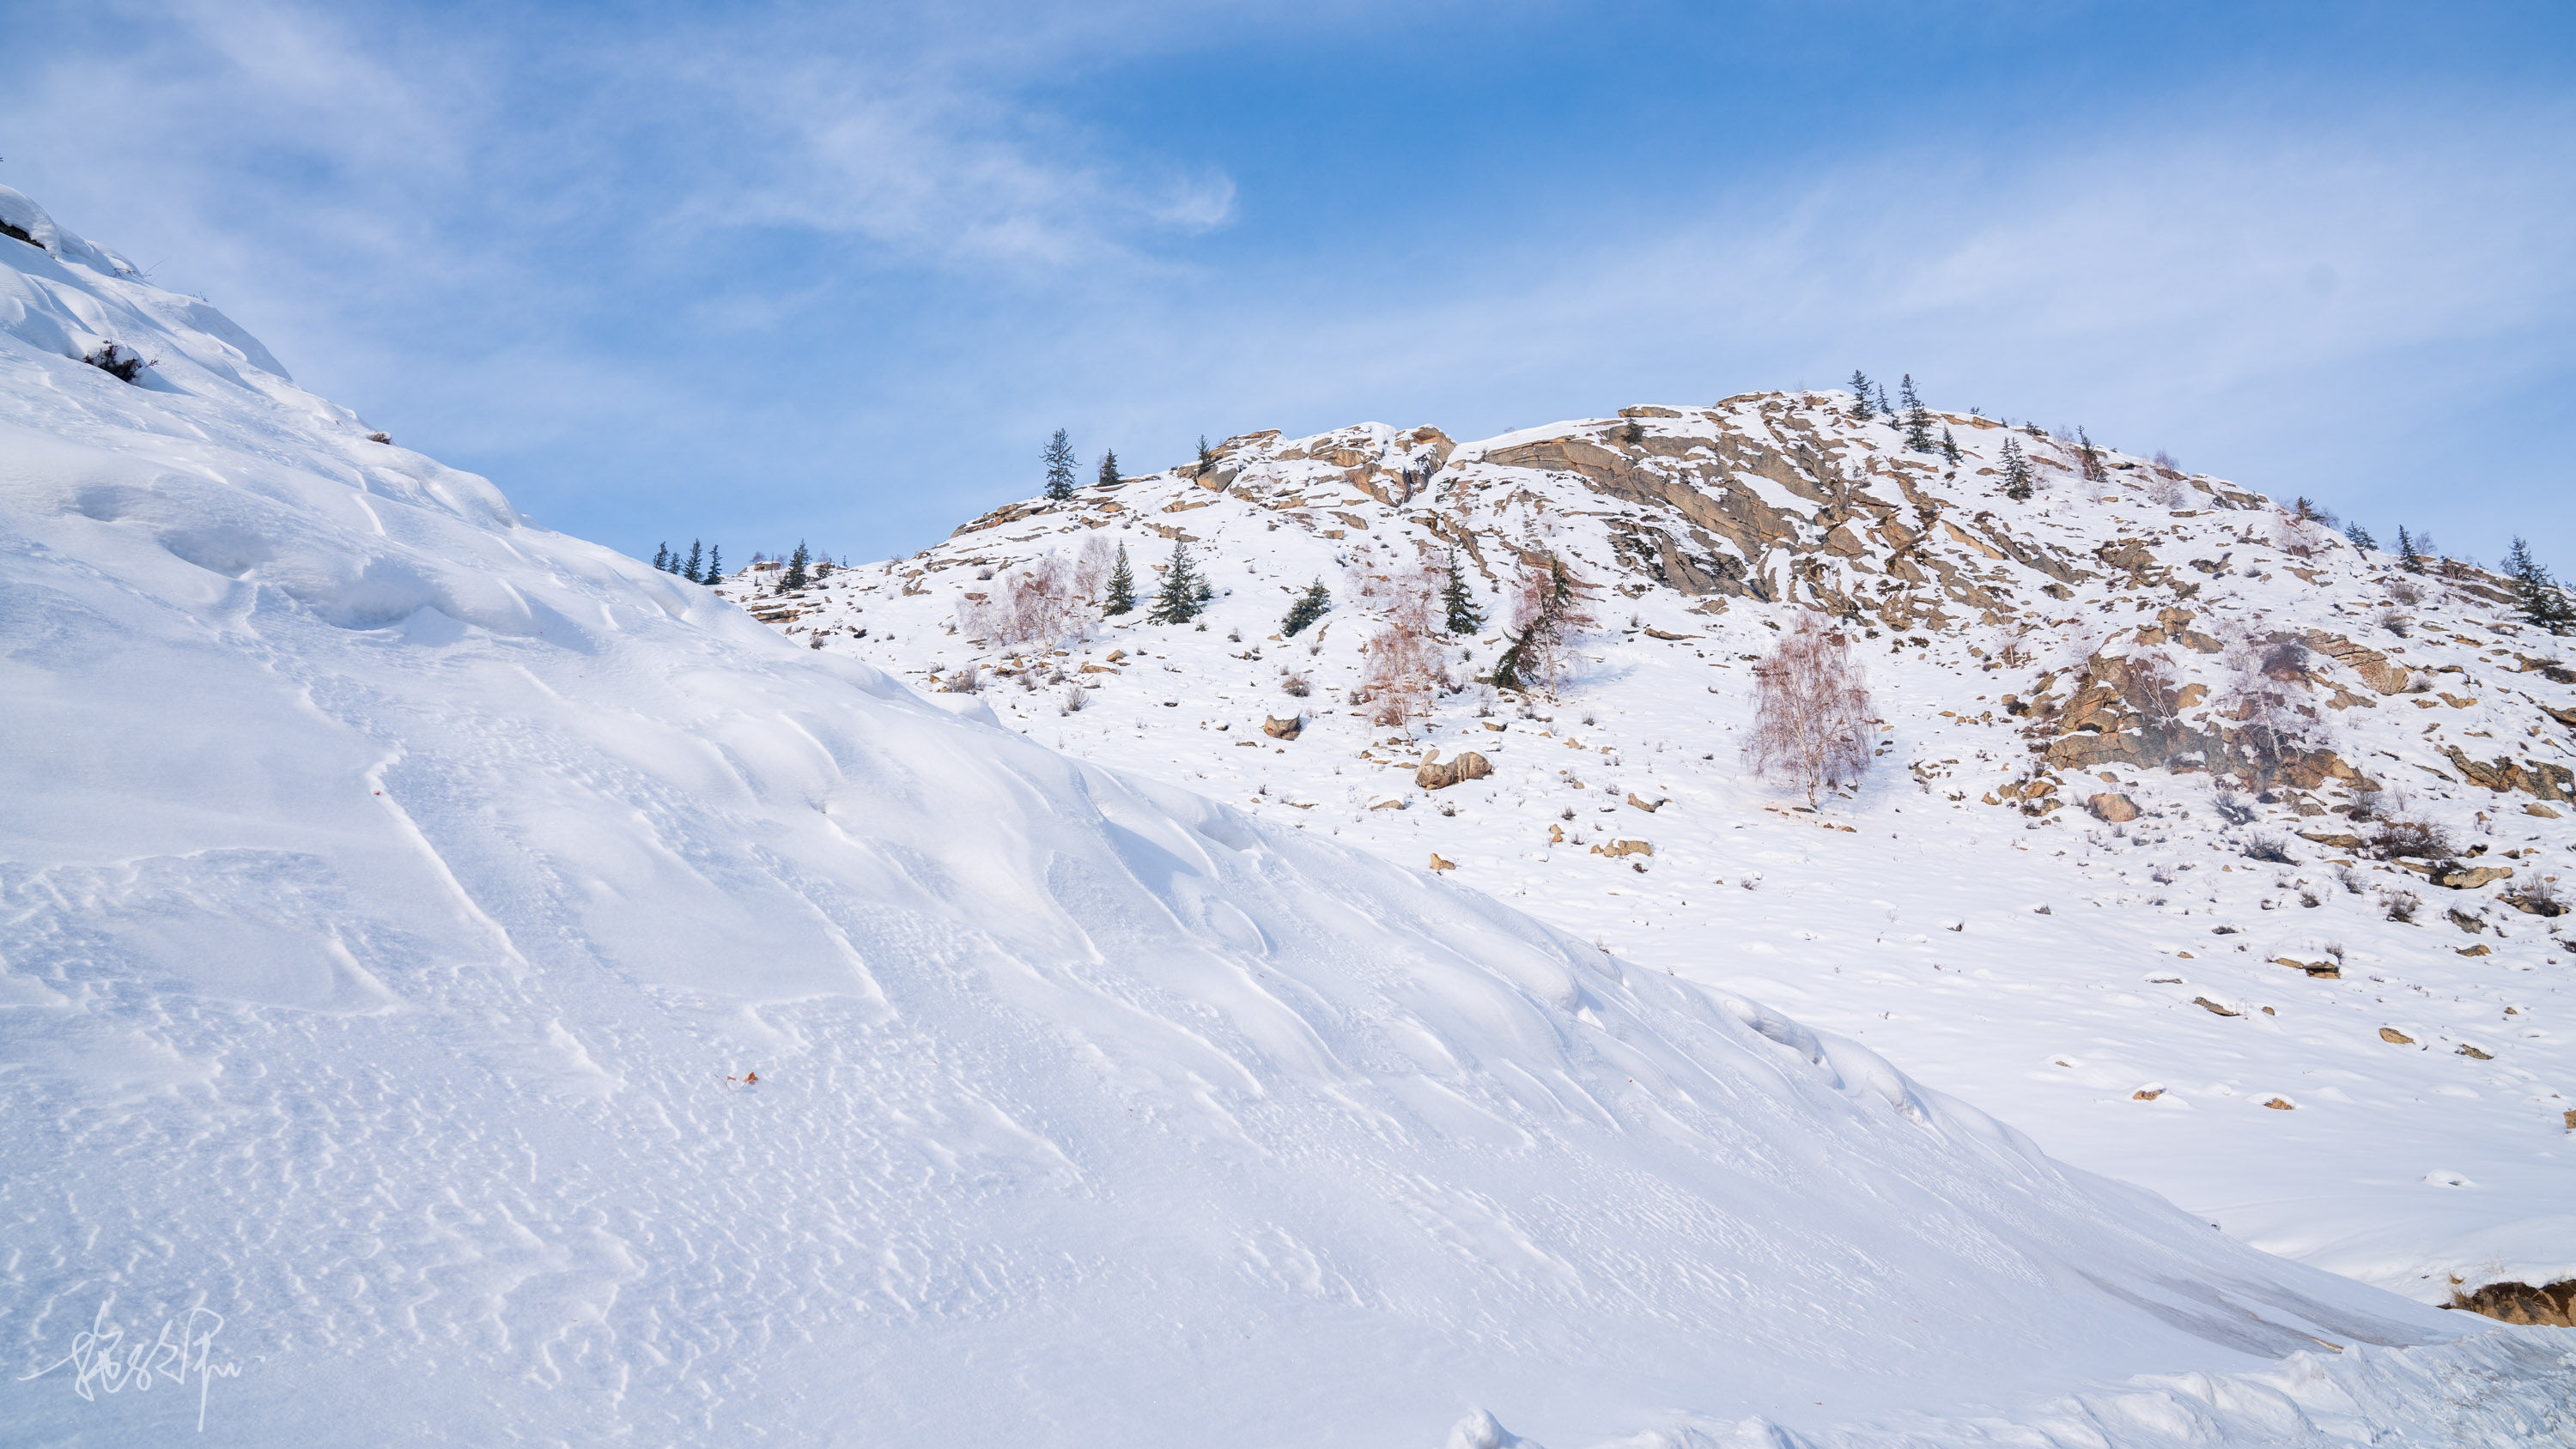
(757, 273)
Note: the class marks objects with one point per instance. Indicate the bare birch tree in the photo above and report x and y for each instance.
(1811, 712)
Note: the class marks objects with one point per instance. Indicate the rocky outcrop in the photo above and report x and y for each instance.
(2115, 809)
(1435, 774)
(1282, 729)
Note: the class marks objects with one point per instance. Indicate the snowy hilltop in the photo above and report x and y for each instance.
(2216, 850)
(462, 985)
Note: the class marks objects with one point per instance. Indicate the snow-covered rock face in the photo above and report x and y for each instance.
(2059, 680)
(401, 899)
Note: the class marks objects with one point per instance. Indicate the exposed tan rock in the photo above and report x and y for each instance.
(1438, 864)
(2543, 811)
(2474, 1054)
(1618, 848)
(2393, 1035)
(2114, 808)
(2278, 1105)
(1648, 806)
(2146, 1094)
(2373, 667)
(1278, 729)
(2468, 878)
(1440, 775)
(2212, 1007)
(2326, 970)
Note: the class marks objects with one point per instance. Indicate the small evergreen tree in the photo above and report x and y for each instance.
(662, 558)
(2410, 552)
(795, 577)
(1109, 469)
(2360, 536)
(689, 570)
(1207, 456)
(1122, 587)
(715, 565)
(2092, 456)
(1860, 396)
(2016, 470)
(1949, 447)
(1633, 434)
(1059, 467)
(1883, 406)
(1183, 590)
(1918, 419)
(823, 568)
(2542, 601)
(1457, 603)
(1309, 607)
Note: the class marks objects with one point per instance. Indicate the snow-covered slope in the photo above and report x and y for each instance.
(400, 900)
(2256, 1039)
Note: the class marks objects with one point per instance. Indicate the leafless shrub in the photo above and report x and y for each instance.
(1295, 686)
(2166, 461)
(1811, 710)
(2263, 846)
(2167, 492)
(2154, 686)
(2410, 839)
(1037, 606)
(1400, 677)
(1074, 698)
(2396, 622)
(2538, 897)
(2230, 800)
(2406, 591)
(2369, 805)
(2349, 879)
(968, 680)
(2402, 905)
(2264, 698)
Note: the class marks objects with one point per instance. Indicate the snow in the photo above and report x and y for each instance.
(1907, 917)
(400, 898)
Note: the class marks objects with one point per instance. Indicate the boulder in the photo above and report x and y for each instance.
(1278, 729)
(2212, 1007)
(2395, 1037)
(1618, 848)
(1440, 775)
(1438, 864)
(2460, 877)
(1648, 806)
(2112, 807)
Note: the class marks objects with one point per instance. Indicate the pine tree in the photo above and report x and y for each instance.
(1122, 587)
(2016, 470)
(2091, 455)
(1309, 607)
(662, 558)
(689, 570)
(1633, 434)
(1109, 469)
(2542, 601)
(715, 566)
(2360, 536)
(1207, 456)
(1860, 396)
(1883, 406)
(1059, 467)
(795, 577)
(1918, 419)
(1949, 447)
(823, 568)
(1463, 616)
(1183, 590)
(2410, 555)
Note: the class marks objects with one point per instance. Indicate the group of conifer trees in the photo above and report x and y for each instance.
(1907, 412)
(1060, 471)
(697, 569)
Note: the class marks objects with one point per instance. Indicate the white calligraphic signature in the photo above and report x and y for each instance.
(103, 1360)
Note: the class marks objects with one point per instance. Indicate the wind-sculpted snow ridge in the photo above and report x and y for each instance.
(2363, 1062)
(461, 986)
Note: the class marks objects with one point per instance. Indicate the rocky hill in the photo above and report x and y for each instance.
(2217, 851)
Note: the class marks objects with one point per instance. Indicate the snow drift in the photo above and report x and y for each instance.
(395, 899)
